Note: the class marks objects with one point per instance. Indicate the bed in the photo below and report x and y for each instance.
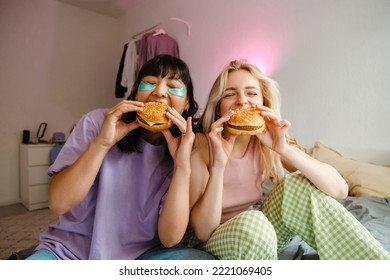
(368, 199)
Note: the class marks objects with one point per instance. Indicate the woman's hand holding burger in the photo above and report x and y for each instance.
(159, 117)
(219, 147)
(260, 121)
(114, 128)
(274, 137)
(180, 148)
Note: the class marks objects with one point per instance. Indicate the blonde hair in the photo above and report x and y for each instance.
(272, 166)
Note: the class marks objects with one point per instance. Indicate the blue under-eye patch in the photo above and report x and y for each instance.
(145, 86)
(180, 92)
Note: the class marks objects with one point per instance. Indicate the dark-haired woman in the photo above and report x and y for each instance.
(122, 192)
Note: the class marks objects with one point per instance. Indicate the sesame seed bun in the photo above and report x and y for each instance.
(153, 117)
(246, 122)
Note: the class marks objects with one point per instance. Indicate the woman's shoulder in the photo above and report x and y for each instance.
(95, 116)
(90, 123)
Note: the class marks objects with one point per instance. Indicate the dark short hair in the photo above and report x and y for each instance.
(160, 65)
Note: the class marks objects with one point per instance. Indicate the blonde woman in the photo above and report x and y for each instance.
(233, 169)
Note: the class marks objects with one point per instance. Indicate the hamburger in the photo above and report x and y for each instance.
(246, 122)
(153, 116)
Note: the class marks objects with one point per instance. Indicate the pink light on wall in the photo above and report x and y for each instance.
(265, 39)
(264, 58)
(268, 56)
(265, 43)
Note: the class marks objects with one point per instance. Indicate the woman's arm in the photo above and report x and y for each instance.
(70, 186)
(322, 175)
(173, 220)
(206, 197)
(174, 217)
(208, 165)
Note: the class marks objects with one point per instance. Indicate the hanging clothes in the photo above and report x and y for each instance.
(151, 45)
(120, 90)
(130, 67)
(136, 53)
(127, 70)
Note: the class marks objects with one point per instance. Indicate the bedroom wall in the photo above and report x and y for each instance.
(331, 59)
(57, 62)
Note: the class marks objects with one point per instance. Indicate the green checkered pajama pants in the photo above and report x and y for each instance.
(295, 207)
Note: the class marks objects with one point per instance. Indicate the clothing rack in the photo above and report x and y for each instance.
(157, 25)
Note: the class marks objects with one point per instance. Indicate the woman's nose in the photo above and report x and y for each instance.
(161, 91)
(241, 99)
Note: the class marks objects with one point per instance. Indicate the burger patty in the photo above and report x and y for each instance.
(148, 123)
(244, 127)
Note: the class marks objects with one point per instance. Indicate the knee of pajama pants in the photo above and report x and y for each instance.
(247, 236)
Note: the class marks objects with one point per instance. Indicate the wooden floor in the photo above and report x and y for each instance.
(13, 209)
(20, 228)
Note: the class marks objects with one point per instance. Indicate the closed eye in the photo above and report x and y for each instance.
(229, 94)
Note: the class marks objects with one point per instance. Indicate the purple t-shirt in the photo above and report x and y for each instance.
(118, 218)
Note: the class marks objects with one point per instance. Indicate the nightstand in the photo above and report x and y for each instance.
(34, 162)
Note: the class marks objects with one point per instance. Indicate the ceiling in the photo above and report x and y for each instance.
(111, 8)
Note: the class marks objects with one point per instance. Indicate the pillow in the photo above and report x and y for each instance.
(363, 178)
